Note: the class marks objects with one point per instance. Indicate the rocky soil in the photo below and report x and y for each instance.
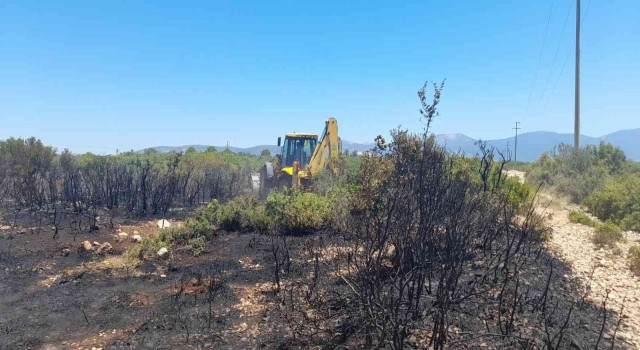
(604, 270)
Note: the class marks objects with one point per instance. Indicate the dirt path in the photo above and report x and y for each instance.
(605, 270)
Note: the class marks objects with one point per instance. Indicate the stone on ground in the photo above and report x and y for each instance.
(163, 252)
(87, 246)
(163, 223)
(104, 248)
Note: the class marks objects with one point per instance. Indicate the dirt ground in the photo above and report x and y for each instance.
(53, 296)
(604, 270)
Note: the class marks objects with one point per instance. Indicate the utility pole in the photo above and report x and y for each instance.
(576, 126)
(515, 152)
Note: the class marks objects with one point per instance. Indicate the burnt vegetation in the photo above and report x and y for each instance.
(409, 247)
(47, 186)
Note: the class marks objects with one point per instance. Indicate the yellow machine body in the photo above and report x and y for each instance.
(302, 156)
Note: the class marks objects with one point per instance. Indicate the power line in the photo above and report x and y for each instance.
(555, 57)
(544, 41)
(566, 58)
(586, 11)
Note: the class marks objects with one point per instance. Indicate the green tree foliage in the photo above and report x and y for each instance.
(265, 155)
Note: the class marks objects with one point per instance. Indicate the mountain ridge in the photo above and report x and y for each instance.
(530, 144)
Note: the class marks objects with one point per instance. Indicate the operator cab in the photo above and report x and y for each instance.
(297, 147)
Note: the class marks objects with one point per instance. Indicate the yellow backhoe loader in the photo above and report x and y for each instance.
(301, 157)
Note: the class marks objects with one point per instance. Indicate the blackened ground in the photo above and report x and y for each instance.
(53, 297)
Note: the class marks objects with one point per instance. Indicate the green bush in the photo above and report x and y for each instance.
(244, 214)
(517, 194)
(300, 212)
(204, 221)
(634, 259)
(579, 173)
(631, 222)
(607, 234)
(164, 238)
(619, 198)
(348, 168)
(197, 245)
(579, 217)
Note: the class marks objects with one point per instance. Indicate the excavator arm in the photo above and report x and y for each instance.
(329, 147)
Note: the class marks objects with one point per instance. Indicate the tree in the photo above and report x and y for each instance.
(265, 154)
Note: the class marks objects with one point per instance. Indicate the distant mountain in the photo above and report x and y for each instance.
(346, 146)
(201, 148)
(530, 144)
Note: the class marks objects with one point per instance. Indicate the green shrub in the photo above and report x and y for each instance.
(183, 236)
(579, 173)
(348, 168)
(578, 187)
(634, 259)
(256, 219)
(631, 222)
(197, 245)
(300, 212)
(150, 245)
(618, 199)
(517, 194)
(204, 221)
(578, 217)
(607, 234)
(243, 213)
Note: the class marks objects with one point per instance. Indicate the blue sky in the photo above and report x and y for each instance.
(100, 76)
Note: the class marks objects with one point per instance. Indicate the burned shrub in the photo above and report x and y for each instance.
(426, 246)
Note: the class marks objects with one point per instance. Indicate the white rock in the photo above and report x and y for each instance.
(136, 238)
(163, 223)
(5, 227)
(123, 234)
(163, 252)
(86, 246)
(242, 327)
(104, 248)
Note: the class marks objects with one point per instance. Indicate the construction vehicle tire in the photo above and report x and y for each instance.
(284, 182)
(264, 183)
